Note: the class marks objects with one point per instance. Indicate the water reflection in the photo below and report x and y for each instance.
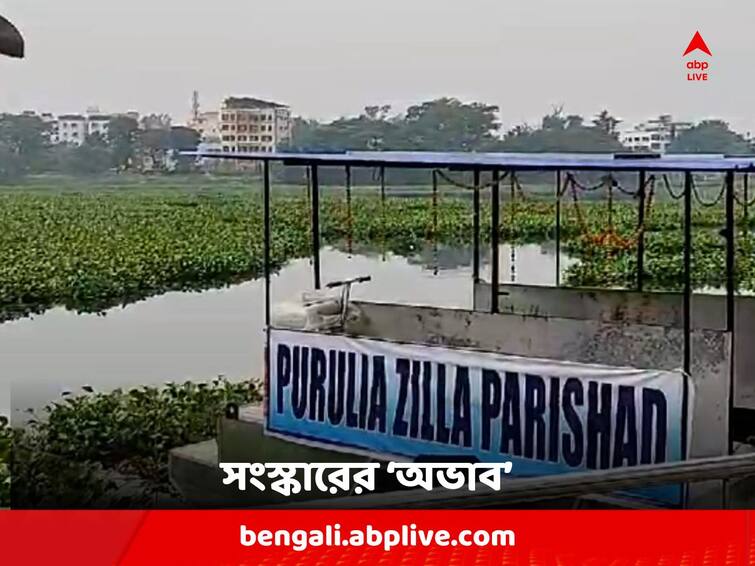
(180, 336)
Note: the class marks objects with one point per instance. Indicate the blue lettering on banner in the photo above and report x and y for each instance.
(545, 416)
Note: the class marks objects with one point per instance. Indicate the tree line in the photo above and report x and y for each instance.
(26, 147)
(448, 124)
(444, 124)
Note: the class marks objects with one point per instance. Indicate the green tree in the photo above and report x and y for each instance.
(372, 130)
(10, 169)
(555, 120)
(153, 147)
(122, 139)
(447, 124)
(574, 121)
(183, 139)
(710, 136)
(377, 112)
(91, 157)
(155, 122)
(163, 147)
(26, 141)
(560, 133)
(607, 123)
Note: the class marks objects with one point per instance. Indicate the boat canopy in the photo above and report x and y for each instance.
(503, 161)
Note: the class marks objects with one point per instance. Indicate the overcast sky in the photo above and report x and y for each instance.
(332, 57)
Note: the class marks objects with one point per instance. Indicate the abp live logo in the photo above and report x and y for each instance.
(697, 70)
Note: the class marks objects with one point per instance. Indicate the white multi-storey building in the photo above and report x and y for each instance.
(52, 124)
(97, 124)
(251, 124)
(207, 124)
(72, 129)
(653, 136)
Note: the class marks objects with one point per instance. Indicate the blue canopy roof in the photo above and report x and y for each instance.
(516, 161)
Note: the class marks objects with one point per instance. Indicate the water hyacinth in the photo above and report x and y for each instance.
(77, 453)
(89, 251)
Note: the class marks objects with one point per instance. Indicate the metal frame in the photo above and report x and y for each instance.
(640, 226)
(495, 230)
(509, 164)
(267, 220)
(731, 285)
(315, 227)
(476, 227)
(558, 228)
(687, 308)
(468, 161)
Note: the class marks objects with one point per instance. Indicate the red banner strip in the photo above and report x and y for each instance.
(544, 538)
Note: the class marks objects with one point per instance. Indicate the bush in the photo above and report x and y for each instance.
(78, 455)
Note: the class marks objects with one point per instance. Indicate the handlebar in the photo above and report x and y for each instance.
(362, 279)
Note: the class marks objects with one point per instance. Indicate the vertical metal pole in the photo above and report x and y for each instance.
(730, 291)
(687, 313)
(730, 248)
(266, 197)
(382, 185)
(641, 233)
(266, 238)
(382, 210)
(687, 268)
(494, 232)
(309, 187)
(349, 221)
(745, 214)
(512, 236)
(435, 222)
(558, 228)
(316, 224)
(476, 228)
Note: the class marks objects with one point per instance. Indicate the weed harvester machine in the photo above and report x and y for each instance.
(633, 394)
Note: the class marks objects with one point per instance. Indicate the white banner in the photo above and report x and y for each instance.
(545, 416)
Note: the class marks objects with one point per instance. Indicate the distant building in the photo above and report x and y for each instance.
(49, 120)
(52, 124)
(72, 129)
(654, 135)
(97, 124)
(208, 126)
(251, 124)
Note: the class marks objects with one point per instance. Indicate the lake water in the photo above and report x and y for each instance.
(198, 336)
